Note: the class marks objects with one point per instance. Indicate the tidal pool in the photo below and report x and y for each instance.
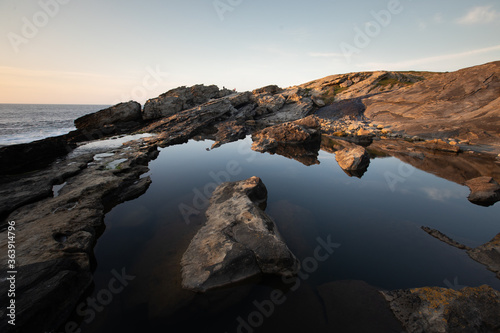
(374, 221)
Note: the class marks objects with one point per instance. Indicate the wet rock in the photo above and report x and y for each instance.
(433, 309)
(120, 113)
(179, 99)
(485, 191)
(238, 241)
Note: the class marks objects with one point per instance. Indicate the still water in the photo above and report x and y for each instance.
(375, 222)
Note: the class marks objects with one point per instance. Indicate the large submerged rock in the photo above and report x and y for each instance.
(238, 241)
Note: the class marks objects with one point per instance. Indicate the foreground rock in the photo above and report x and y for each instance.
(485, 191)
(238, 241)
(55, 235)
(434, 309)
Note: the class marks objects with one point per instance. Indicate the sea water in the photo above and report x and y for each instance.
(23, 123)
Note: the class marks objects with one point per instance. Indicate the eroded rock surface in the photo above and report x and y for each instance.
(179, 99)
(439, 310)
(238, 241)
(299, 132)
(55, 235)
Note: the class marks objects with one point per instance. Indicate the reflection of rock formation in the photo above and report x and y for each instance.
(458, 168)
(487, 254)
(238, 241)
(298, 140)
(485, 191)
(306, 154)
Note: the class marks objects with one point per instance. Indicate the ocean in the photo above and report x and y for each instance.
(23, 123)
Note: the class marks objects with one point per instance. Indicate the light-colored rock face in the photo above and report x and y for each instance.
(120, 113)
(180, 99)
(484, 191)
(238, 241)
(293, 133)
(352, 158)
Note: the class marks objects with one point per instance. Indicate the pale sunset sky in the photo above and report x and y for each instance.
(107, 51)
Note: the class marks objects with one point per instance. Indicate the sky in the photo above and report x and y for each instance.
(108, 51)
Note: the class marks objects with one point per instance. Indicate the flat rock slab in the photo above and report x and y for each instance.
(238, 241)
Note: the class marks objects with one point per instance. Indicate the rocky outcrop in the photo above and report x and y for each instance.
(55, 235)
(179, 99)
(238, 241)
(463, 105)
(433, 309)
(485, 191)
(292, 133)
(182, 126)
(123, 115)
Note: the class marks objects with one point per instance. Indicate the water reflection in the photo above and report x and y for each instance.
(377, 222)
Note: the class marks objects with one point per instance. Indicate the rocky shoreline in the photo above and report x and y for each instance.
(357, 116)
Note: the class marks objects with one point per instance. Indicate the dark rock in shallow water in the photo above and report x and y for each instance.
(485, 191)
(238, 241)
(124, 113)
(440, 310)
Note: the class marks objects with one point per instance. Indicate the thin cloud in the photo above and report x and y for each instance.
(479, 15)
(324, 55)
(426, 61)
